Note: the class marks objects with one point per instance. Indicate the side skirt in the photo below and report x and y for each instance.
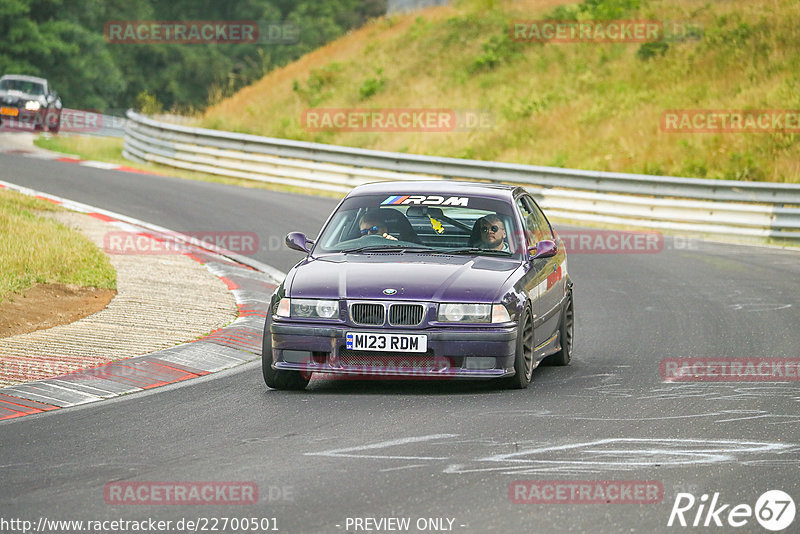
(551, 346)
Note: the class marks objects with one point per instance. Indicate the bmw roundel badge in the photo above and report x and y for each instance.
(389, 291)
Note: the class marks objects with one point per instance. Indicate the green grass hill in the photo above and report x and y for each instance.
(579, 105)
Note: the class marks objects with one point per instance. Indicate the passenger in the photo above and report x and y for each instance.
(492, 233)
(372, 224)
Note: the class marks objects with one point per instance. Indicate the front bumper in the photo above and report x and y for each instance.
(453, 352)
(28, 119)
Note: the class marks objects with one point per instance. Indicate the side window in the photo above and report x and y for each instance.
(546, 227)
(536, 221)
(528, 223)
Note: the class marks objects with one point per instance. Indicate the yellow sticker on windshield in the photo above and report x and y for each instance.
(436, 225)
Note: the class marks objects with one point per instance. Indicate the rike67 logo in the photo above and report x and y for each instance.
(774, 510)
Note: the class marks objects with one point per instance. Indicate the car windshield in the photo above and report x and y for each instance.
(434, 224)
(23, 86)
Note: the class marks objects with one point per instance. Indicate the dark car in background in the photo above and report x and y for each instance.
(427, 279)
(29, 102)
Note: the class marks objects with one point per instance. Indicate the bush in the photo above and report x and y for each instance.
(319, 80)
(648, 51)
(372, 85)
(743, 167)
(608, 9)
(498, 49)
(148, 104)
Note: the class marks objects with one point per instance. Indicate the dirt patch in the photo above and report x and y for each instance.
(48, 305)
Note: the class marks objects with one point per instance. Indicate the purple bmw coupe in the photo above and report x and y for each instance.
(428, 279)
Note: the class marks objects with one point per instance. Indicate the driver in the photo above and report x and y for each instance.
(372, 224)
(493, 233)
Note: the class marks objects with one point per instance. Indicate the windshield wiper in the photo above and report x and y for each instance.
(477, 251)
(387, 248)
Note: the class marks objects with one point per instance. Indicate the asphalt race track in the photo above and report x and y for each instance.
(428, 450)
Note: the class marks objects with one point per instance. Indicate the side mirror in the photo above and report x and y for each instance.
(544, 249)
(298, 241)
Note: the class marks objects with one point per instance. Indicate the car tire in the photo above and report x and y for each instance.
(278, 378)
(566, 336)
(523, 359)
(53, 120)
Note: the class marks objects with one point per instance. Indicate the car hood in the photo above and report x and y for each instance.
(413, 277)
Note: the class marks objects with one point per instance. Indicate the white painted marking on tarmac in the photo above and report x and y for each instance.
(400, 468)
(717, 392)
(704, 391)
(240, 295)
(87, 397)
(708, 446)
(743, 415)
(759, 307)
(100, 165)
(23, 391)
(612, 454)
(730, 416)
(620, 454)
(349, 451)
(463, 469)
(103, 393)
(126, 227)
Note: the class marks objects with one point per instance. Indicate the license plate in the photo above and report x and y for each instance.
(387, 342)
(11, 112)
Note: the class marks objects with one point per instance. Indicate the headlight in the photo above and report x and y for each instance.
(473, 313)
(314, 309)
(465, 313)
(32, 105)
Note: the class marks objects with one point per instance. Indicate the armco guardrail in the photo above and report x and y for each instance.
(727, 207)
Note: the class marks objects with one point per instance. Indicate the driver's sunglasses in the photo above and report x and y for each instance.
(373, 230)
(494, 228)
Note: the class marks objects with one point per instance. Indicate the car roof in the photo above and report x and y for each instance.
(436, 187)
(24, 78)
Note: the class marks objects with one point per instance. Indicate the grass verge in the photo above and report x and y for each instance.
(36, 249)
